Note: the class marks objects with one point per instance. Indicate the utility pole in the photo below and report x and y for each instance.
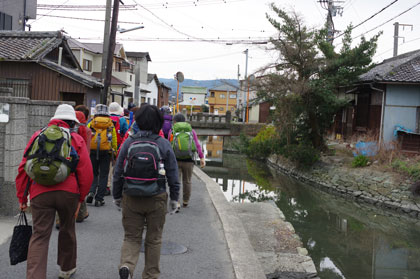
(105, 47)
(330, 23)
(246, 79)
(24, 15)
(396, 35)
(333, 10)
(237, 91)
(110, 56)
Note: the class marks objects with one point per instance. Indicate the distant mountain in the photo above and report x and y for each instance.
(209, 84)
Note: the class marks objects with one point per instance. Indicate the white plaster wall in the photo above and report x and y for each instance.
(254, 114)
(153, 95)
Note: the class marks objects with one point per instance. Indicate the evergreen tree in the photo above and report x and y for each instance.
(303, 83)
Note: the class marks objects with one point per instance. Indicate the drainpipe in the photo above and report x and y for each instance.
(381, 129)
(60, 55)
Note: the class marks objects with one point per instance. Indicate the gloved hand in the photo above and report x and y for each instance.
(117, 202)
(172, 206)
(202, 163)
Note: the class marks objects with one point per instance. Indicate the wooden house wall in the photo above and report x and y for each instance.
(45, 83)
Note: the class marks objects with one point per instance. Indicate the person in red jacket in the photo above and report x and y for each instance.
(64, 197)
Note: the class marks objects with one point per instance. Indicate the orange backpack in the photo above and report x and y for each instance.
(101, 127)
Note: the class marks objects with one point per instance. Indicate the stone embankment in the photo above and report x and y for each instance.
(368, 185)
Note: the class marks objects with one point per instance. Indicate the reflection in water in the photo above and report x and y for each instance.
(344, 239)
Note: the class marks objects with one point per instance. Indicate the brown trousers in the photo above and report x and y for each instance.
(43, 209)
(185, 169)
(135, 212)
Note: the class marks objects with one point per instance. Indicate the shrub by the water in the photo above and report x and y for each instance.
(304, 155)
(261, 146)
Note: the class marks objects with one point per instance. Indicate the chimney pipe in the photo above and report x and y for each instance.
(60, 55)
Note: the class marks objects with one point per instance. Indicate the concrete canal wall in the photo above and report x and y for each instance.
(261, 243)
(378, 188)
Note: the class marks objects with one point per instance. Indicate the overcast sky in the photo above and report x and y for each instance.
(168, 23)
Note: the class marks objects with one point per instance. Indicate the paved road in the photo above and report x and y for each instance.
(100, 237)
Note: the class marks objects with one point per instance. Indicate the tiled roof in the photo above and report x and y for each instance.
(92, 47)
(27, 46)
(81, 77)
(402, 68)
(22, 46)
(224, 87)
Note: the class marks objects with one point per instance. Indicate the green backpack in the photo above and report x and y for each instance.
(182, 143)
(51, 158)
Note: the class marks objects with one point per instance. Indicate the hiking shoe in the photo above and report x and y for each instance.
(124, 272)
(89, 198)
(107, 191)
(81, 218)
(184, 204)
(66, 274)
(99, 203)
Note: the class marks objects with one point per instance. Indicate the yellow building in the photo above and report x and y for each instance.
(214, 147)
(222, 98)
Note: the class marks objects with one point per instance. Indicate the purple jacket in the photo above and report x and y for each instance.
(167, 125)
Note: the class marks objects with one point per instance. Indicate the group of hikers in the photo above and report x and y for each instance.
(67, 164)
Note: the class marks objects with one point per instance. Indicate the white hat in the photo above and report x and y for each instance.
(65, 112)
(115, 108)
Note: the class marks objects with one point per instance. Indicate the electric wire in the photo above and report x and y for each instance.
(48, 12)
(382, 24)
(170, 25)
(88, 19)
(369, 18)
(198, 59)
(165, 5)
(404, 43)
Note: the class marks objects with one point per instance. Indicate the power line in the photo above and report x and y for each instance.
(49, 12)
(388, 50)
(170, 25)
(380, 25)
(198, 59)
(163, 5)
(254, 41)
(369, 18)
(88, 19)
(80, 7)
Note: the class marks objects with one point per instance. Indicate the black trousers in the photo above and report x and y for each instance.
(100, 164)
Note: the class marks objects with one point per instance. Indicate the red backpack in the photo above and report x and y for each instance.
(116, 120)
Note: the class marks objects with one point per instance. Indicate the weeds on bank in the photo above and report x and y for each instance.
(410, 167)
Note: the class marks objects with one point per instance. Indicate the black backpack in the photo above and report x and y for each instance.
(144, 173)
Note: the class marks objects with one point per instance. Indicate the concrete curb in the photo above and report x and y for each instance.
(244, 260)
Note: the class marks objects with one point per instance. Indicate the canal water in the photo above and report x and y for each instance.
(344, 239)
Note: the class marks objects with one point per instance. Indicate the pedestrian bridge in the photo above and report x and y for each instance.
(206, 124)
